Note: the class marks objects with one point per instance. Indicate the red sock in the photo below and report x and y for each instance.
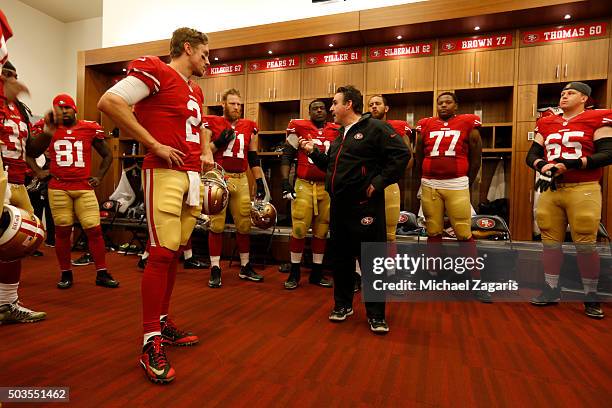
(588, 264)
(215, 243)
(296, 245)
(552, 259)
(11, 272)
(318, 245)
(96, 246)
(243, 241)
(434, 249)
(468, 250)
(62, 246)
(170, 284)
(153, 287)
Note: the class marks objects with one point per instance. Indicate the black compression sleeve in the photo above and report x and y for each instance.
(535, 152)
(603, 154)
(252, 157)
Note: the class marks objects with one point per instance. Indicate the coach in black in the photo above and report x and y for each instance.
(366, 157)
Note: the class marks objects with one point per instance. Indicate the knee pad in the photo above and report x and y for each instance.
(584, 228)
(217, 223)
(463, 230)
(243, 223)
(298, 217)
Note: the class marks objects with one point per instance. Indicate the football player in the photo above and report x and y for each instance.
(309, 200)
(570, 151)
(167, 120)
(71, 185)
(14, 142)
(448, 155)
(234, 145)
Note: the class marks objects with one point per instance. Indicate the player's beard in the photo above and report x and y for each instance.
(68, 121)
(378, 115)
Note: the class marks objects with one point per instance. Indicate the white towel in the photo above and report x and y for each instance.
(497, 189)
(123, 194)
(193, 196)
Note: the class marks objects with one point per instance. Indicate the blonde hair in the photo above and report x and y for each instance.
(231, 91)
(183, 35)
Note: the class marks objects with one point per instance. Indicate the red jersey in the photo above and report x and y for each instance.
(13, 138)
(401, 127)
(70, 153)
(321, 138)
(573, 139)
(5, 34)
(446, 145)
(233, 158)
(172, 112)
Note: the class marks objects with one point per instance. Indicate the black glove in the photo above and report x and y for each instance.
(226, 136)
(547, 181)
(570, 163)
(261, 190)
(288, 191)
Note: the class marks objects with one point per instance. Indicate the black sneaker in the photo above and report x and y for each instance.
(483, 296)
(85, 259)
(66, 280)
(37, 253)
(378, 325)
(103, 278)
(549, 296)
(155, 363)
(284, 268)
(339, 314)
(143, 263)
(194, 263)
(247, 272)
(316, 277)
(50, 244)
(592, 307)
(356, 282)
(294, 277)
(215, 277)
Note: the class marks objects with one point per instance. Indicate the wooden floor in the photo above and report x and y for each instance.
(265, 346)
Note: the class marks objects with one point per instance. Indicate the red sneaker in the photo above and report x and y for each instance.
(173, 336)
(155, 363)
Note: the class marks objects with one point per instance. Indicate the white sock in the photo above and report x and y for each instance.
(552, 280)
(589, 285)
(244, 259)
(8, 292)
(214, 260)
(148, 336)
(144, 255)
(162, 317)
(357, 268)
(317, 258)
(296, 257)
(188, 253)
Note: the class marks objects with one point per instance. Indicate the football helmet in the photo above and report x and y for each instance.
(21, 233)
(263, 214)
(216, 193)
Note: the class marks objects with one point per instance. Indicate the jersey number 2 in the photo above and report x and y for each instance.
(193, 121)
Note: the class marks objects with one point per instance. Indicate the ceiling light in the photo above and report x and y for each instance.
(124, 69)
(476, 28)
(567, 16)
(399, 37)
(331, 45)
(269, 51)
(216, 58)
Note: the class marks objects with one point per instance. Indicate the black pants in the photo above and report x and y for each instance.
(41, 203)
(352, 223)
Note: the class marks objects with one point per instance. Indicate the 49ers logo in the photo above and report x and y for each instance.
(448, 46)
(402, 218)
(485, 223)
(367, 221)
(530, 38)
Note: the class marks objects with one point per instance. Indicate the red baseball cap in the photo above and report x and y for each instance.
(64, 100)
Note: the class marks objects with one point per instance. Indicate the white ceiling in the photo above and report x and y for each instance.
(67, 10)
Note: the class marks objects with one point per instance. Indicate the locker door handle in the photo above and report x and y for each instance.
(395, 84)
(269, 93)
(334, 88)
(478, 77)
(533, 110)
(471, 77)
(565, 70)
(274, 93)
(402, 83)
(557, 72)
(329, 88)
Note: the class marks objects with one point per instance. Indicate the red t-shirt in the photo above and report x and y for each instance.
(446, 145)
(14, 138)
(70, 153)
(172, 112)
(573, 139)
(233, 158)
(321, 138)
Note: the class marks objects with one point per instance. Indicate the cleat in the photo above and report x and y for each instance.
(155, 363)
(339, 314)
(17, 313)
(378, 325)
(592, 307)
(173, 336)
(105, 279)
(549, 296)
(142, 263)
(357, 282)
(85, 259)
(215, 277)
(316, 277)
(293, 279)
(247, 272)
(193, 263)
(66, 280)
(483, 296)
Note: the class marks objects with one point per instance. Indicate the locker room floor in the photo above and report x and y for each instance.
(262, 345)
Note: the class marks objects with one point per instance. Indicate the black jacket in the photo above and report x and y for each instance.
(370, 153)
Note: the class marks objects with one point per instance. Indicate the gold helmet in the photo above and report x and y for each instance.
(21, 233)
(216, 193)
(263, 214)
